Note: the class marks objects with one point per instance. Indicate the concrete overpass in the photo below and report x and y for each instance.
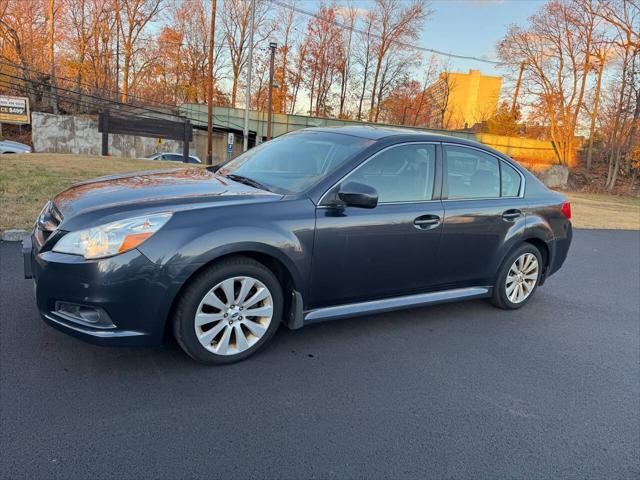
(533, 153)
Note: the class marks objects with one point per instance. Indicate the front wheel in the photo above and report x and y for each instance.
(518, 278)
(228, 311)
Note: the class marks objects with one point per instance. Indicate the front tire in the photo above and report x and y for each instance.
(518, 278)
(228, 311)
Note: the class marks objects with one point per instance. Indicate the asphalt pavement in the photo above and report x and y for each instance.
(454, 391)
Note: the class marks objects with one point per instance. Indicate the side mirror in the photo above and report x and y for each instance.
(357, 194)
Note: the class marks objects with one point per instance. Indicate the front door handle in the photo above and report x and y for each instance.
(512, 214)
(426, 222)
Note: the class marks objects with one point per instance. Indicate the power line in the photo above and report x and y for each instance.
(73, 98)
(379, 37)
(102, 99)
(46, 94)
(73, 81)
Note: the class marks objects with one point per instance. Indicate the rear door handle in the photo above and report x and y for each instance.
(511, 214)
(426, 222)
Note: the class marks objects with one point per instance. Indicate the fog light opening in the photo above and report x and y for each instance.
(93, 316)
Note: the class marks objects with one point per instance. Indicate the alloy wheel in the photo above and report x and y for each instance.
(522, 278)
(234, 315)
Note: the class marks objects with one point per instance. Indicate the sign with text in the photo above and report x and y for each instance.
(14, 110)
(229, 142)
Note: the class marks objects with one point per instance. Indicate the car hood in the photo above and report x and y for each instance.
(171, 187)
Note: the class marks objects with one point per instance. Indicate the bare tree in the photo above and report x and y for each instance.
(624, 17)
(349, 14)
(23, 30)
(135, 16)
(396, 26)
(236, 16)
(365, 57)
(283, 26)
(600, 62)
(555, 50)
(324, 57)
(297, 73)
(428, 79)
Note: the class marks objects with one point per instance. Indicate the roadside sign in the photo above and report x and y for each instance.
(14, 110)
(229, 142)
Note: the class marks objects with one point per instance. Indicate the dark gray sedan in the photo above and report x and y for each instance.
(315, 225)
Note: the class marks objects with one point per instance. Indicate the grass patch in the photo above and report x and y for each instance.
(27, 181)
(591, 210)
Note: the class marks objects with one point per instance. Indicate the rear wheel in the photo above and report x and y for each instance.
(228, 311)
(518, 278)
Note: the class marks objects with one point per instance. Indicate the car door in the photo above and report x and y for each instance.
(483, 208)
(390, 250)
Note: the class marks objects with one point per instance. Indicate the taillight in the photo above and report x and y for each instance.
(566, 210)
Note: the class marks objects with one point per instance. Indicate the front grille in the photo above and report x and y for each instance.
(48, 221)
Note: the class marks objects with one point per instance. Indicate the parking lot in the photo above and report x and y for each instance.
(454, 391)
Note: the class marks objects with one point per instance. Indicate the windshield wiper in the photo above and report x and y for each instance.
(247, 181)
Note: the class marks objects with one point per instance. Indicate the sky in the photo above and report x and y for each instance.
(473, 27)
(464, 27)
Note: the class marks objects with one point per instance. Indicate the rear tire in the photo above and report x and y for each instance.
(518, 278)
(228, 311)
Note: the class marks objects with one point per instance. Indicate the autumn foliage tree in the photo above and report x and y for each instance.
(325, 56)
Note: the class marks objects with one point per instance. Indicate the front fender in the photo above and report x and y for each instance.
(193, 239)
(208, 248)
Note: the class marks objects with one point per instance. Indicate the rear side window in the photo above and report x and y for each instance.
(475, 174)
(472, 173)
(405, 173)
(510, 180)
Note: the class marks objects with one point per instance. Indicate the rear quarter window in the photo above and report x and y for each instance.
(511, 180)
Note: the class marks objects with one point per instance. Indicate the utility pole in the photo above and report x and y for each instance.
(117, 97)
(272, 47)
(517, 91)
(54, 93)
(212, 31)
(247, 93)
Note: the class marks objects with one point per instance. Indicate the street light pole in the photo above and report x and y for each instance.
(272, 47)
(514, 104)
(247, 94)
(212, 31)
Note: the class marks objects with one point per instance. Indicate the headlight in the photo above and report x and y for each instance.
(111, 238)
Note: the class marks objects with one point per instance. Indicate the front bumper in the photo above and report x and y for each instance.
(129, 288)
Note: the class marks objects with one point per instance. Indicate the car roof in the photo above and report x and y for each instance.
(373, 132)
(156, 154)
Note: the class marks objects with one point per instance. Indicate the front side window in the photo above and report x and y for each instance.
(404, 173)
(297, 161)
(471, 173)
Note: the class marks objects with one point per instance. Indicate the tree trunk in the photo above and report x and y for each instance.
(375, 85)
(594, 116)
(234, 87)
(613, 172)
(125, 74)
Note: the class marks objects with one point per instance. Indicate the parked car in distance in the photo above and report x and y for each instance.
(318, 224)
(173, 157)
(9, 146)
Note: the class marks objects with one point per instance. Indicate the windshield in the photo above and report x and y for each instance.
(297, 161)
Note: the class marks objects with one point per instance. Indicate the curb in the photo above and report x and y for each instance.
(14, 235)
